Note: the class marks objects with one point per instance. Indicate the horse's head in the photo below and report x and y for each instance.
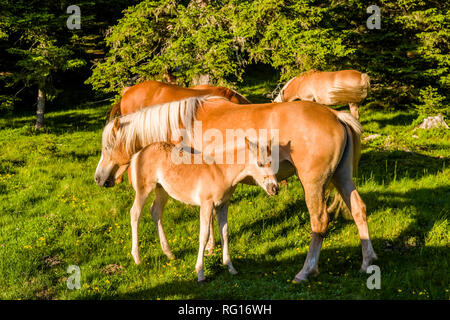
(260, 168)
(114, 160)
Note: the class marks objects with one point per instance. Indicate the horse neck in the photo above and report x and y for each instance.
(291, 91)
(232, 173)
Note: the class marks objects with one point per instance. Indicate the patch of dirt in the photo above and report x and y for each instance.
(45, 294)
(52, 261)
(112, 268)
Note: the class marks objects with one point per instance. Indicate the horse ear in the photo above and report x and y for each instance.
(116, 125)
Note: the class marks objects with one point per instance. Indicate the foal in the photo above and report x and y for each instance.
(209, 186)
(328, 88)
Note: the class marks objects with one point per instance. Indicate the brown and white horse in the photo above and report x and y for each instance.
(316, 143)
(208, 185)
(328, 88)
(152, 92)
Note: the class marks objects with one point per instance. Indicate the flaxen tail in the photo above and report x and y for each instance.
(338, 203)
(342, 93)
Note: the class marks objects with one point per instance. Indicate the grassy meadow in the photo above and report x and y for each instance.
(53, 215)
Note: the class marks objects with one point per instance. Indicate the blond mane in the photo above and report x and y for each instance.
(156, 123)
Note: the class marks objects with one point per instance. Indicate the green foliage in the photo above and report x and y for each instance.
(220, 39)
(431, 103)
(39, 47)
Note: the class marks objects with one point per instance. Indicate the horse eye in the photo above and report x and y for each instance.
(260, 164)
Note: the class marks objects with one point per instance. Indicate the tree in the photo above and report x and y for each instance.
(214, 38)
(40, 45)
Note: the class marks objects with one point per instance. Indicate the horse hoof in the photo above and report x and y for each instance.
(298, 281)
(170, 256)
(201, 282)
(232, 271)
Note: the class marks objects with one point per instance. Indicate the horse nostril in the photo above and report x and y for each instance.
(273, 189)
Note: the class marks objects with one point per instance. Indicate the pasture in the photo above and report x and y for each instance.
(52, 215)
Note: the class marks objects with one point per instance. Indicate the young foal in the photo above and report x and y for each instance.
(206, 185)
(328, 88)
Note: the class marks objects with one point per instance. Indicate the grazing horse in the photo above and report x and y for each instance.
(152, 92)
(206, 185)
(316, 143)
(328, 88)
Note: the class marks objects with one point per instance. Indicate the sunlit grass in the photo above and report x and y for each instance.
(52, 215)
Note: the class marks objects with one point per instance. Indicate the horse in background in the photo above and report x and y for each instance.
(153, 92)
(328, 88)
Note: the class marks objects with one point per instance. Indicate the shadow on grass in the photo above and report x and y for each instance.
(64, 121)
(398, 120)
(269, 278)
(386, 166)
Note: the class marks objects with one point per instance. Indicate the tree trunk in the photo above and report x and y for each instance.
(40, 109)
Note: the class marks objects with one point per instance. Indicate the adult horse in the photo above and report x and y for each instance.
(152, 92)
(328, 88)
(316, 143)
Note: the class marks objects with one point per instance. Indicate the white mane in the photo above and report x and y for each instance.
(279, 97)
(153, 124)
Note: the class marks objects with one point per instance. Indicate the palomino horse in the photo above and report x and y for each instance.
(328, 88)
(316, 143)
(152, 92)
(206, 185)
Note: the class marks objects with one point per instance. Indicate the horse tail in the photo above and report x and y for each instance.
(342, 93)
(355, 131)
(365, 84)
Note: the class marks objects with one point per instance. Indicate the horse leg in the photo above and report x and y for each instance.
(211, 241)
(156, 210)
(223, 228)
(346, 188)
(206, 211)
(135, 216)
(317, 207)
(354, 110)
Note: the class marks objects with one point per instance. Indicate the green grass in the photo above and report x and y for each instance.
(53, 215)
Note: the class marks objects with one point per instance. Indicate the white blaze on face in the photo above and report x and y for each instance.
(98, 165)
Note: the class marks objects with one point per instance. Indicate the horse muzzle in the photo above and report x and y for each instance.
(272, 189)
(101, 182)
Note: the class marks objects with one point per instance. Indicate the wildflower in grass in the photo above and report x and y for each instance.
(399, 290)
